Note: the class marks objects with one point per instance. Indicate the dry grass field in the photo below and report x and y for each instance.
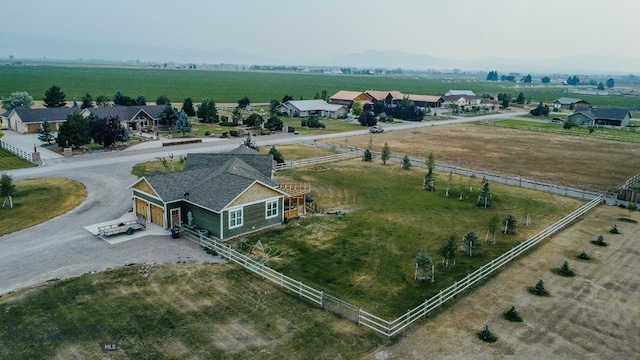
(593, 315)
(583, 163)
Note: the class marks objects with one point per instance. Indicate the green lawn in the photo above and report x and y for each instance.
(10, 161)
(366, 257)
(27, 204)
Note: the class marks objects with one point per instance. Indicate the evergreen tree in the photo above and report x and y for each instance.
(277, 156)
(207, 112)
(610, 82)
(486, 335)
(471, 243)
(273, 108)
(274, 124)
(244, 103)
(163, 100)
(44, 133)
(539, 289)
(520, 99)
(168, 116)
(485, 199)
(406, 163)
(545, 80)
(424, 265)
(187, 107)
(236, 115)
(102, 100)
(510, 224)
(512, 315)
(54, 98)
(141, 100)
(385, 153)
(87, 101)
(182, 124)
(74, 132)
(429, 178)
(366, 156)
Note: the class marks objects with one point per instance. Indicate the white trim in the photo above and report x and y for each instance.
(171, 211)
(241, 218)
(274, 211)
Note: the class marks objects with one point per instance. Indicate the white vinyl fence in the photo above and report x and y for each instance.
(373, 322)
(315, 161)
(21, 153)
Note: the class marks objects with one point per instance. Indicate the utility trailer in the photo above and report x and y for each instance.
(124, 227)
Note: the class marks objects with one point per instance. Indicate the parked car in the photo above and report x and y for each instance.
(376, 129)
(557, 120)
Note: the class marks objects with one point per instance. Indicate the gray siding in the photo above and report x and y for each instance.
(203, 218)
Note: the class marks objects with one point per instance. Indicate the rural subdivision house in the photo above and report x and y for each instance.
(134, 118)
(28, 121)
(305, 108)
(346, 98)
(568, 103)
(226, 195)
(591, 116)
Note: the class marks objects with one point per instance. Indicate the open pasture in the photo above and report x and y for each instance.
(227, 86)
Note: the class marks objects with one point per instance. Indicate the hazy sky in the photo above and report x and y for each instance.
(460, 29)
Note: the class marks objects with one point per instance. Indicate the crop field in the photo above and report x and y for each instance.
(227, 86)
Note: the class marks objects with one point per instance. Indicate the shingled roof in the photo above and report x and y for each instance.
(28, 115)
(604, 113)
(214, 180)
(127, 113)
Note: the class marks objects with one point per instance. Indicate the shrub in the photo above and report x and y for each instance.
(564, 270)
(583, 256)
(486, 335)
(512, 315)
(600, 241)
(225, 134)
(366, 156)
(614, 229)
(207, 133)
(236, 132)
(539, 289)
(227, 123)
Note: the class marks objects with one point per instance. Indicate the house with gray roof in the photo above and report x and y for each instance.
(569, 103)
(134, 118)
(28, 121)
(304, 108)
(226, 195)
(601, 117)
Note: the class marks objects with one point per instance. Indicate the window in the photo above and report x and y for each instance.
(235, 218)
(272, 208)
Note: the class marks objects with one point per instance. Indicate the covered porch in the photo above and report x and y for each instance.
(294, 203)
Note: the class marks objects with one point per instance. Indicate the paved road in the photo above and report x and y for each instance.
(61, 248)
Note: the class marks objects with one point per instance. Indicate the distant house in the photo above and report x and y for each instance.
(432, 101)
(226, 195)
(134, 118)
(28, 121)
(459, 93)
(569, 103)
(461, 100)
(346, 98)
(385, 98)
(601, 117)
(304, 108)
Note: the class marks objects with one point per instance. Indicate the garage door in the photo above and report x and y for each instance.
(156, 215)
(141, 208)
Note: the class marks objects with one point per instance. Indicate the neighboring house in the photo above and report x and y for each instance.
(134, 118)
(601, 117)
(4, 120)
(225, 194)
(569, 103)
(304, 108)
(425, 101)
(28, 121)
(386, 98)
(460, 93)
(461, 100)
(346, 98)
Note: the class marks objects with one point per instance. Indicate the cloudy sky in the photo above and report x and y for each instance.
(461, 29)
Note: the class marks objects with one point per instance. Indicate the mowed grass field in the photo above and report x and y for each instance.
(228, 86)
(9, 161)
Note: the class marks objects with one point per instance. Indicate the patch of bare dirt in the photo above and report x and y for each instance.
(593, 315)
(578, 162)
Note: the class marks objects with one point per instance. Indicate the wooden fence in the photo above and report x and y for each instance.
(19, 152)
(366, 319)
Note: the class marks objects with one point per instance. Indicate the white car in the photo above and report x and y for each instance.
(376, 129)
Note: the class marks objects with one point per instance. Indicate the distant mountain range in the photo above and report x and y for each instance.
(39, 47)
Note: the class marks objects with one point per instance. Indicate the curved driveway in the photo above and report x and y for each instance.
(62, 248)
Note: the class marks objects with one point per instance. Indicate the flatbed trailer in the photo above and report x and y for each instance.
(125, 227)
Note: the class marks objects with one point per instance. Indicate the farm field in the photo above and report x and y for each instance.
(227, 86)
(579, 162)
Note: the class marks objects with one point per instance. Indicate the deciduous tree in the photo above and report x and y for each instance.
(610, 82)
(102, 100)
(244, 102)
(429, 178)
(406, 163)
(510, 224)
(424, 266)
(163, 100)
(16, 100)
(105, 131)
(545, 80)
(448, 250)
(471, 244)
(7, 190)
(236, 115)
(274, 124)
(356, 107)
(87, 101)
(141, 100)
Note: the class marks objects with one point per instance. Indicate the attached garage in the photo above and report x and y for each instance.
(156, 214)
